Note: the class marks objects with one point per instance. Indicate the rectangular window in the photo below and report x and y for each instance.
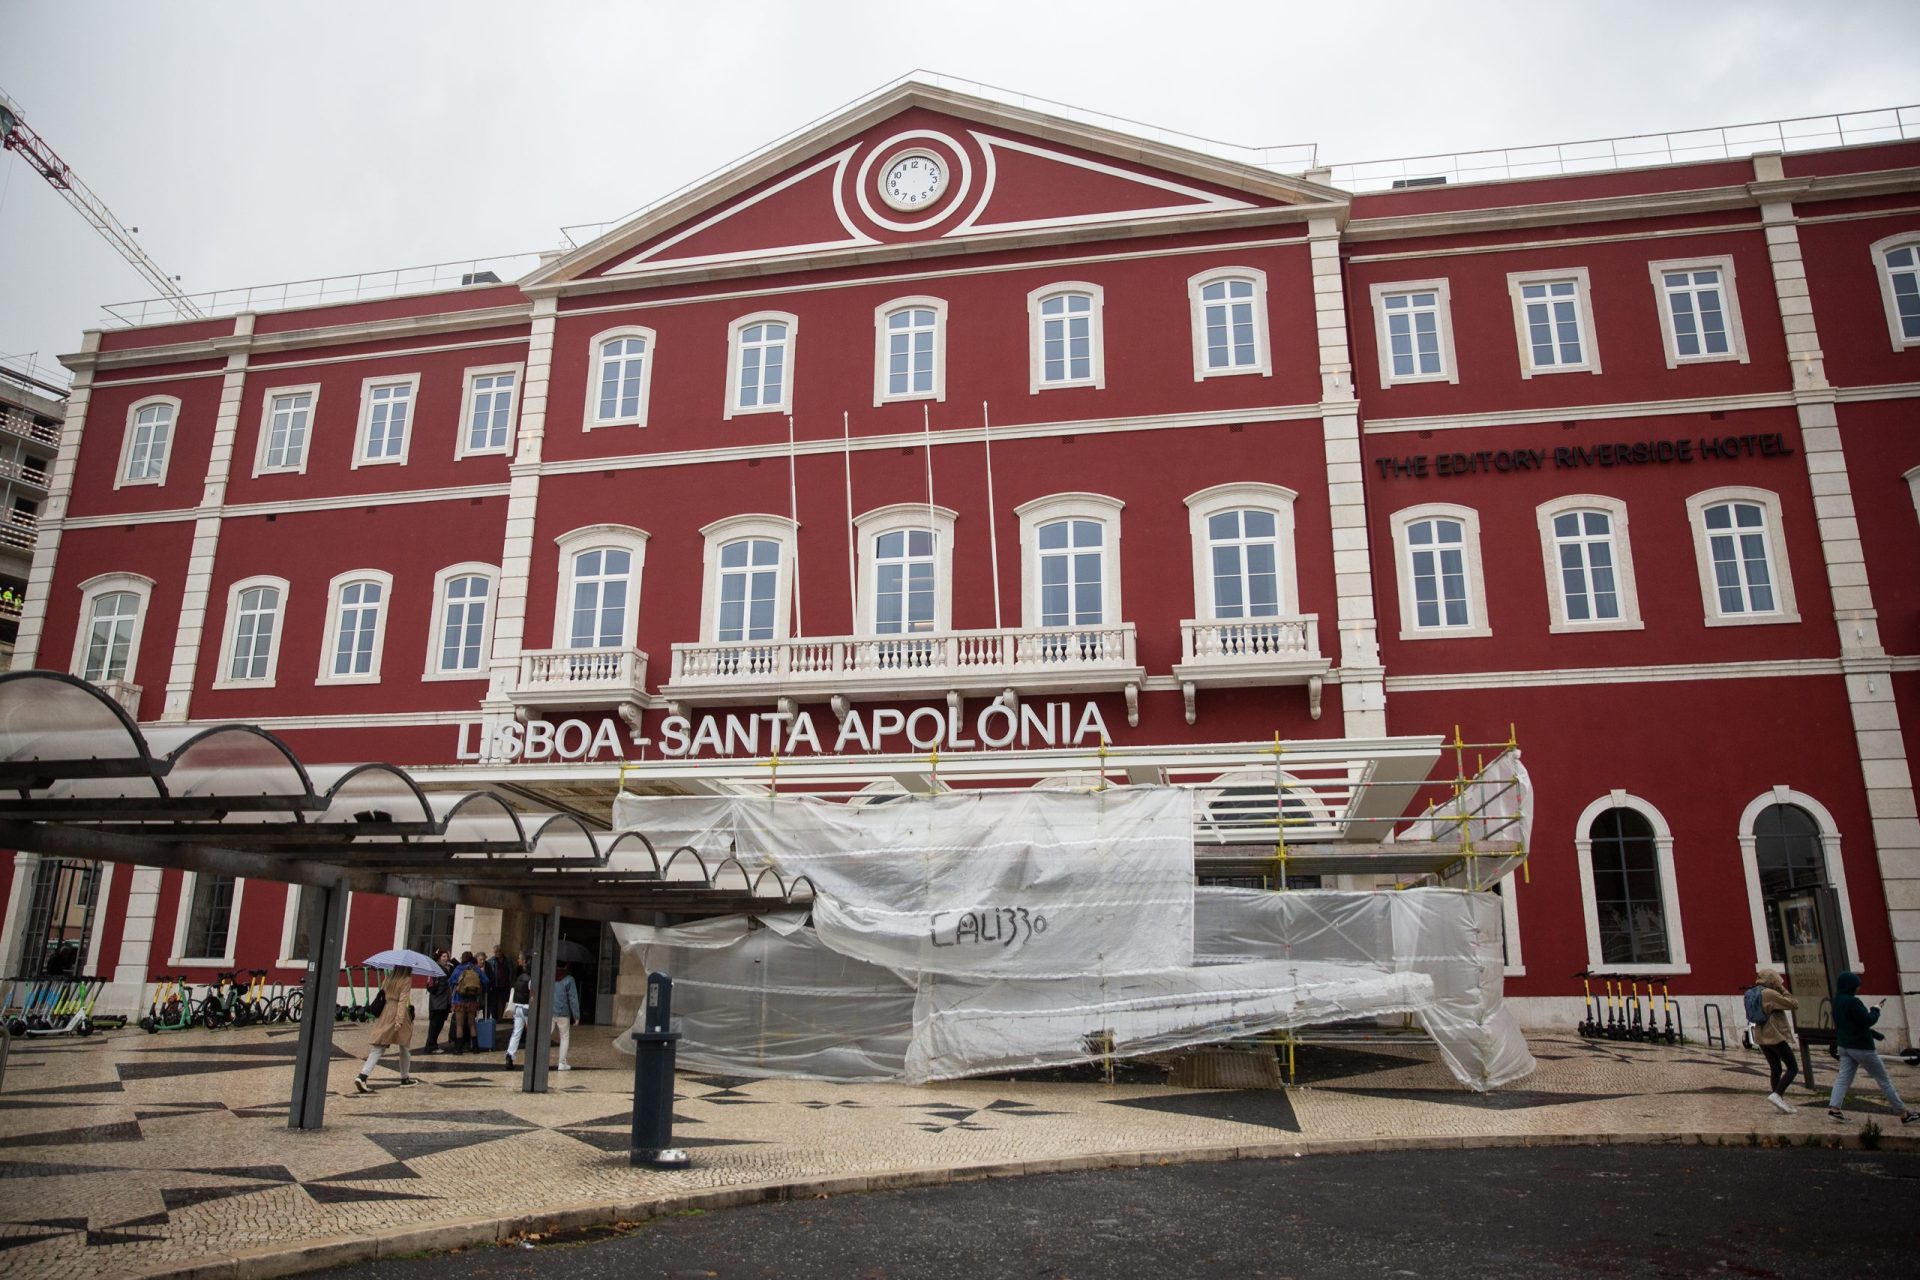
(355, 639)
(1066, 338)
(1900, 284)
(763, 366)
(110, 636)
(910, 354)
(300, 945)
(429, 926)
(1413, 334)
(386, 411)
(1742, 563)
(1583, 544)
(749, 582)
(1071, 554)
(903, 582)
(1227, 316)
(1246, 565)
(463, 624)
(490, 411)
(1554, 318)
(209, 917)
(152, 432)
(1436, 553)
(289, 419)
(599, 614)
(253, 633)
(1697, 309)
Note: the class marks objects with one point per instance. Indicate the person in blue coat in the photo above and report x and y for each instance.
(1853, 1029)
(566, 1012)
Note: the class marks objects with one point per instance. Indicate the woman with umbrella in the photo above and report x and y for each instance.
(394, 1025)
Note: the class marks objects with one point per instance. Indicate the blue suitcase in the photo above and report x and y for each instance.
(483, 1033)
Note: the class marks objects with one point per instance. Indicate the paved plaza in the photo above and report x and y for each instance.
(127, 1153)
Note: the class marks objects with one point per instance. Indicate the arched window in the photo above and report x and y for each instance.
(1742, 557)
(1790, 843)
(598, 602)
(760, 364)
(1896, 262)
(149, 441)
(1064, 322)
(1589, 564)
(1625, 852)
(486, 410)
(1442, 591)
(460, 642)
(251, 656)
(749, 587)
(356, 627)
(621, 378)
(910, 350)
(1229, 316)
(112, 624)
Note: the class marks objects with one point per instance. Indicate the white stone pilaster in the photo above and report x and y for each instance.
(1363, 695)
(126, 993)
(1881, 745)
(206, 530)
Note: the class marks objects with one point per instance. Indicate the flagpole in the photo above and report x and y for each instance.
(793, 511)
(853, 592)
(993, 536)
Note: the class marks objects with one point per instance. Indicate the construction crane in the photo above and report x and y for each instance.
(41, 158)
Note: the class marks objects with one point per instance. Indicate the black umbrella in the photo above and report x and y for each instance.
(572, 952)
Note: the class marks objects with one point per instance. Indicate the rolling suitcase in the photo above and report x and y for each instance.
(483, 1034)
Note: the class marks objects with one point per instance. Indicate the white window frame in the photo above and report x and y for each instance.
(1669, 890)
(362, 437)
(289, 925)
(1262, 365)
(1786, 609)
(1443, 328)
(1070, 506)
(436, 627)
(1884, 275)
(730, 529)
(331, 637)
(121, 479)
(1243, 495)
(1583, 305)
(1836, 872)
(462, 440)
(260, 467)
(1478, 624)
(1096, 337)
(1625, 588)
(881, 357)
(230, 637)
(734, 409)
(870, 527)
(1730, 299)
(577, 542)
(595, 369)
(183, 914)
(107, 584)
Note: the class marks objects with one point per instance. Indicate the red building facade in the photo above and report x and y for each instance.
(943, 400)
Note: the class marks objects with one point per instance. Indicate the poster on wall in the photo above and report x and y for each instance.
(1806, 959)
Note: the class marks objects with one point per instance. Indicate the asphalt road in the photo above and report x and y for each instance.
(1581, 1211)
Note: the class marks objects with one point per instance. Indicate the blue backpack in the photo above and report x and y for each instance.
(1756, 1007)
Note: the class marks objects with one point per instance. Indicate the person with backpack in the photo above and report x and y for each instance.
(1854, 1036)
(1768, 1005)
(469, 986)
(519, 1005)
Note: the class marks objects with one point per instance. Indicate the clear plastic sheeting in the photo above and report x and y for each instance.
(1013, 884)
(1451, 936)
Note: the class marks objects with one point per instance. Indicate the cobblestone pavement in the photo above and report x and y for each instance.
(125, 1152)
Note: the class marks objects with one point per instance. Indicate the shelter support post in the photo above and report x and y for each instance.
(327, 926)
(546, 952)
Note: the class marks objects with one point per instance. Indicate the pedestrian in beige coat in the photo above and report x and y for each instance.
(1775, 1036)
(393, 1026)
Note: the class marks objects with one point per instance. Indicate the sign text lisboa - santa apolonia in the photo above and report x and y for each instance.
(880, 730)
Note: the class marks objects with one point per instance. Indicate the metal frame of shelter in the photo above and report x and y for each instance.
(78, 778)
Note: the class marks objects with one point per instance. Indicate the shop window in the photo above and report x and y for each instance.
(621, 379)
(148, 442)
(386, 419)
(356, 627)
(599, 602)
(1625, 853)
(112, 608)
(1442, 587)
(1742, 557)
(1064, 324)
(1553, 316)
(487, 410)
(1699, 311)
(286, 425)
(760, 364)
(462, 603)
(1229, 318)
(1589, 564)
(250, 654)
(910, 350)
(1413, 328)
(1897, 264)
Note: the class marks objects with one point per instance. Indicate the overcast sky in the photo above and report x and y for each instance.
(253, 142)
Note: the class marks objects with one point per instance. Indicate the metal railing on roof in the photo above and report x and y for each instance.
(1594, 155)
(322, 291)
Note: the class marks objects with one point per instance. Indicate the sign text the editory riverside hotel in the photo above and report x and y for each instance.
(1639, 453)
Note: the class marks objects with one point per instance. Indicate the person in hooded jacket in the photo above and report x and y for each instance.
(1853, 1029)
(1775, 1036)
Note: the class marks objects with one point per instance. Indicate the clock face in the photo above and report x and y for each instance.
(914, 181)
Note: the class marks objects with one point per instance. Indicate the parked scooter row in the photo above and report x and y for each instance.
(1629, 1015)
(228, 1002)
(54, 1007)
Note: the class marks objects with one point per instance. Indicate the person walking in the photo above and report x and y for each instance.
(566, 1012)
(394, 1026)
(519, 1006)
(1853, 1030)
(439, 1003)
(468, 985)
(1775, 1036)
